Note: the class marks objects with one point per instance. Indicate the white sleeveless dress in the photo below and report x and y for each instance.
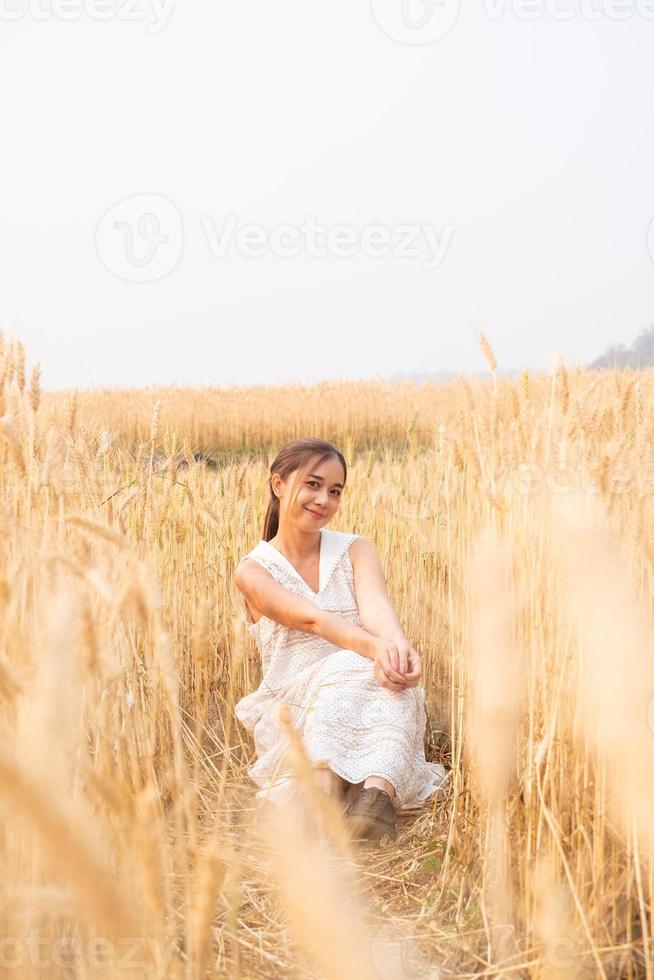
(345, 719)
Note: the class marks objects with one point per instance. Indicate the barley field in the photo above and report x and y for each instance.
(514, 522)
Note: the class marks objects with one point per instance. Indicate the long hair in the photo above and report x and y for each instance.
(295, 456)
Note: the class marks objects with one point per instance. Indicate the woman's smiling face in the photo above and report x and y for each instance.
(318, 487)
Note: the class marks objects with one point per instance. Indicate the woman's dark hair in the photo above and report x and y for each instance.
(295, 456)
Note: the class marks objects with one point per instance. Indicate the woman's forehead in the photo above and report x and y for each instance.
(329, 469)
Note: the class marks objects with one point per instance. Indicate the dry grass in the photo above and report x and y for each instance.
(514, 520)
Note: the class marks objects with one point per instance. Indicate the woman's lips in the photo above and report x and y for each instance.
(313, 513)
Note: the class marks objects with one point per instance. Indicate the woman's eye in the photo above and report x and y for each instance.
(314, 483)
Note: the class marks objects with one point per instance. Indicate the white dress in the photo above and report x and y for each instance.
(345, 719)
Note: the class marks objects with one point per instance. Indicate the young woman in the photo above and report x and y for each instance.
(333, 650)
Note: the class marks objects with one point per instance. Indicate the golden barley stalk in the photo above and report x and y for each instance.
(563, 388)
(20, 366)
(72, 413)
(13, 445)
(65, 847)
(35, 388)
(616, 672)
(487, 350)
(92, 527)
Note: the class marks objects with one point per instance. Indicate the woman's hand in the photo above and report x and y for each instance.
(396, 665)
(414, 673)
(409, 660)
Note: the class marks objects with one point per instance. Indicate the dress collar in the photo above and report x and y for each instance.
(329, 541)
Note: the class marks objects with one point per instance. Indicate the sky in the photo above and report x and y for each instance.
(212, 193)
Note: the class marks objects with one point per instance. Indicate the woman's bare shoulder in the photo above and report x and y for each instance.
(361, 548)
(245, 569)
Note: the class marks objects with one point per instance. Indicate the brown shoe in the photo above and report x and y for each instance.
(371, 815)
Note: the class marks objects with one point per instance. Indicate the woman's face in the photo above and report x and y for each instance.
(318, 487)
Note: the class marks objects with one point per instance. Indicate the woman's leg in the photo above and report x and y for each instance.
(352, 789)
(370, 732)
(335, 786)
(330, 783)
(380, 783)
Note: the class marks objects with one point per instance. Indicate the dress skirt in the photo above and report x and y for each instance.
(346, 722)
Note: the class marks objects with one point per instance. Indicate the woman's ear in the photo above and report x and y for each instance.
(277, 485)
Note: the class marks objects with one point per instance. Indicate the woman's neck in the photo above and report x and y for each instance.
(297, 546)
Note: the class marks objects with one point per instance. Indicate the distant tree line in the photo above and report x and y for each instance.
(639, 355)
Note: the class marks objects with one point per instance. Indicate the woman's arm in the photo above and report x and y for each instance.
(376, 612)
(269, 597)
(275, 602)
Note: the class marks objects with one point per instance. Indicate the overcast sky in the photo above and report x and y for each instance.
(202, 192)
